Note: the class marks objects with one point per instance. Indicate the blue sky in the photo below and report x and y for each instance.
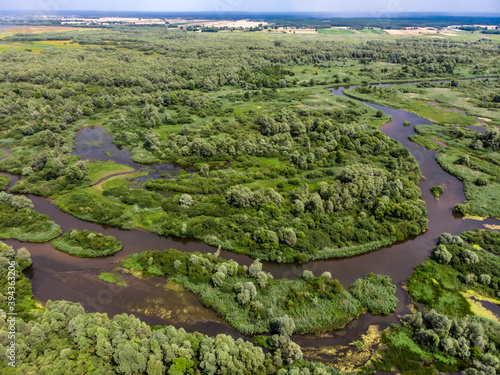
(374, 7)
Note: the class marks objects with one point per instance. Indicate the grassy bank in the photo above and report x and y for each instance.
(87, 244)
(455, 267)
(424, 142)
(480, 179)
(100, 170)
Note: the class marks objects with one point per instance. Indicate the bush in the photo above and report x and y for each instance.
(437, 190)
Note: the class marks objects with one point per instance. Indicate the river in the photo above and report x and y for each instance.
(57, 275)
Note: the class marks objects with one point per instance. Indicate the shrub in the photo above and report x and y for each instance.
(470, 257)
(376, 293)
(481, 181)
(485, 279)
(185, 201)
(255, 268)
(218, 278)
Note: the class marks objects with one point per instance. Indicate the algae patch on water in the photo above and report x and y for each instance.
(347, 358)
(477, 307)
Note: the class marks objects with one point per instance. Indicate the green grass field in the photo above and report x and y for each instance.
(100, 170)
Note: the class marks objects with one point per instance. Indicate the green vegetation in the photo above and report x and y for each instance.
(447, 337)
(336, 31)
(376, 293)
(112, 278)
(274, 167)
(489, 240)
(437, 190)
(441, 344)
(454, 268)
(424, 141)
(479, 177)
(100, 170)
(4, 182)
(22, 222)
(473, 158)
(250, 299)
(15, 294)
(438, 287)
(87, 244)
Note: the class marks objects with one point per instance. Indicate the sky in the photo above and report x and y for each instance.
(371, 7)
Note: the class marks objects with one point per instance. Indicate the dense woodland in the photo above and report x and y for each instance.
(272, 179)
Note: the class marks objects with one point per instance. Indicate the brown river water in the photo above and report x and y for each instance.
(56, 275)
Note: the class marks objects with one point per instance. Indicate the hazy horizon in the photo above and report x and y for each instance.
(367, 8)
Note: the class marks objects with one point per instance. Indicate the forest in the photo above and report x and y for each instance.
(306, 181)
(235, 140)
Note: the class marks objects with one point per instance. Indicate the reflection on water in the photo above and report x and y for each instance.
(57, 275)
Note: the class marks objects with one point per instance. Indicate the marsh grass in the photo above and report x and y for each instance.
(112, 278)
